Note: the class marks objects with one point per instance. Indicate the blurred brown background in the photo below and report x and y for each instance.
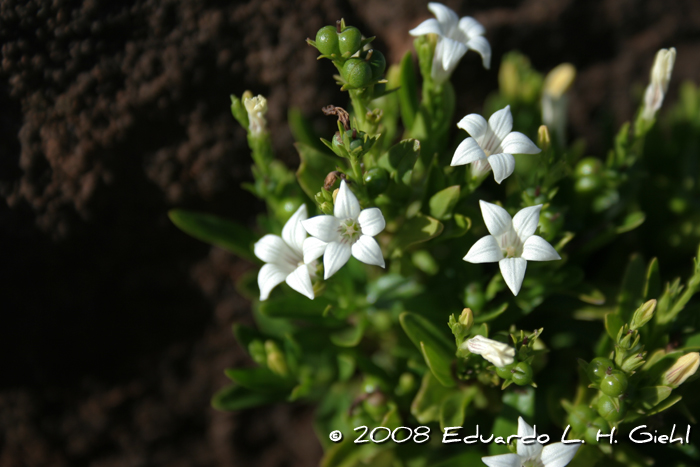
(115, 326)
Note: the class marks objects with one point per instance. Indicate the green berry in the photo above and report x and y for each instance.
(588, 184)
(598, 368)
(377, 63)
(376, 180)
(327, 41)
(349, 40)
(614, 384)
(357, 73)
(506, 372)
(588, 166)
(599, 424)
(522, 374)
(607, 410)
(580, 417)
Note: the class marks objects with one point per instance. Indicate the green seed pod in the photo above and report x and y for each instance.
(599, 424)
(506, 372)
(377, 63)
(337, 144)
(377, 181)
(580, 417)
(357, 73)
(614, 384)
(327, 41)
(522, 374)
(588, 166)
(349, 40)
(607, 410)
(598, 368)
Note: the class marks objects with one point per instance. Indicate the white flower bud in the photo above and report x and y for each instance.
(256, 108)
(660, 76)
(684, 368)
(498, 353)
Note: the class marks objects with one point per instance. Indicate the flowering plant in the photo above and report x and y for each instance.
(365, 307)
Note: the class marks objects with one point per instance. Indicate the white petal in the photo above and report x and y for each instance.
(323, 227)
(537, 248)
(513, 271)
(451, 52)
(482, 46)
(371, 221)
(517, 143)
(269, 277)
(335, 257)
(558, 454)
(346, 204)
(496, 218)
(474, 124)
(447, 18)
(367, 250)
(272, 249)
(467, 152)
(525, 221)
(485, 250)
(471, 27)
(502, 165)
(527, 451)
(501, 122)
(300, 281)
(429, 26)
(504, 460)
(293, 232)
(313, 249)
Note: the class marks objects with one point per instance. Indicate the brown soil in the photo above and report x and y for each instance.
(116, 326)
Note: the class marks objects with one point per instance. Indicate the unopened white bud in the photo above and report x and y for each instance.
(256, 108)
(660, 77)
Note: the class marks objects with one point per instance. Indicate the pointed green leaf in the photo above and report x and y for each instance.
(489, 315)
(652, 288)
(453, 407)
(443, 202)
(257, 379)
(666, 404)
(631, 222)
(415, 230)
(419, 329)
(439, 363)
(632, 291)
(400, 159)
(652, 395)
(235, 397)
(218, 231)
(426, 405)
(351, 336)
(313, 169)
(613, 323)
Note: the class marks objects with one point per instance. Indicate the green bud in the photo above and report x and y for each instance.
(544, 141)
(633, 362)
(275, 359)
(327, 41)
(611, 409)
(318, 197)
(239, 112)
(357, 73)
(598, 368)
(349, 41)
(327, 208)
(614, 383)
(256, 349)
(643, 314)
(466, 319)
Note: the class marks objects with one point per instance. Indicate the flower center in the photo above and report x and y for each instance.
(533, 463)
(511, 246)
(349, 231)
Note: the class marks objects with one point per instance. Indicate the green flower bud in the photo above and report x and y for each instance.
(614, 384)
(327, 41)
(327, 208)
(349, 41)
(256, 349)
(544, 141)
(598, 368)
(377, 181)
(633, 362)
(580, 417)
(522, 374)
(643, 315)
(275, 359)
(507, 371)
(357, 72)
(608, 408)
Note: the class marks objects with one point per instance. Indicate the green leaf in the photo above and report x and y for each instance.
(488, 316)
(631, 222)
(613, 323)
(235, 397)
(515, 404)
(408, 91)
(400, 159)
(313, 169)
(652, 395)
(419, 329)
(632, 291)
(439, 363)
(349, 337)
(443, 202)
(415, 230)
(426, 405)
(346, 367)
(244, 335)
(453, 407)
(297, 306)
(652, 288)
(257, 379)
(223, 233)
(666, 404)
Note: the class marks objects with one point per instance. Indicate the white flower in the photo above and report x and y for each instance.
(555, 102)
(511, 243)
(455, 37)
(348, 231)
(256, 108)
(533, 455)
(492, 144)
(285, 259)
(660, 76)
(498, 353)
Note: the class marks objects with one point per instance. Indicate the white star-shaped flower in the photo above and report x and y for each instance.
(348, 231)
(511, 243)
(285, 259)
(492, 145)
(534, 455)
(455, 37)
(498, 353)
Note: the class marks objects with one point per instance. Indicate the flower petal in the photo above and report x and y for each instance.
(313, 249)
(371, 221)
(482, 46)
(513, 271)
(467, 152)
(485, 250)
(429, 26)
(300, 281)
(558, 454)
(496, 218)
(293, 232)
(517, 143)
(269, 277)
(501, 122)
(335, 257)
(471, 27)
(272, 249)
(451, 52)
(502, 165)
(445, 16)
(323, 227)
(367, 250)
(527, 451)
(537, 248)
(525, 221)
(474, 124)
(504, 460)
(346, 204)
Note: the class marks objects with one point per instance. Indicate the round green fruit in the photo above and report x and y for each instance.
(357, 72)
(588, 184)
(614, 384)
(327, 41)
(599, 424)
(376, 180)
(377, 63)
(598, 368)
(580, 417)
(588, 166)
(507, 371)
(607, 410)
(349, 40)
(522, 374)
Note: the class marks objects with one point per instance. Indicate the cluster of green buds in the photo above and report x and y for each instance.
(345, 46)
(520, 371)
